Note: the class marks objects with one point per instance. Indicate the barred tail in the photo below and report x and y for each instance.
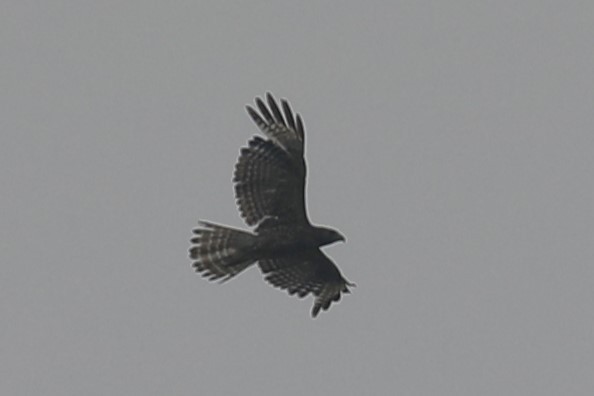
(220, 252)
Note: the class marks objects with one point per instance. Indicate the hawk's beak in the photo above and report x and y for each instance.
(342, 238)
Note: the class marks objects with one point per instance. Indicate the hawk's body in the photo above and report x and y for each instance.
(270, 191)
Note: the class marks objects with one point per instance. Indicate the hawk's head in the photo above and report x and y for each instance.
(326, 236)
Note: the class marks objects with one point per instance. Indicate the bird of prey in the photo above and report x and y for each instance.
(270, 192)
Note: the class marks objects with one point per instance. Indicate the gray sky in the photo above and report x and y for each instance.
(451, 142)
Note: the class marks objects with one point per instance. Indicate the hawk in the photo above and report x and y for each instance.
(270, 192)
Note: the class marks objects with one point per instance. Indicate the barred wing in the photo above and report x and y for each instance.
(270, 174)
(307, 272)
(286, 131)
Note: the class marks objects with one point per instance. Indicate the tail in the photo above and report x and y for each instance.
(220, 252)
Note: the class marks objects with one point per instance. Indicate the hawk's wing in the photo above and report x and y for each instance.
(307, 272)
(286, 132)
(270, 174)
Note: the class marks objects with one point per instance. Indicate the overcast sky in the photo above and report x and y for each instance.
(451, 142)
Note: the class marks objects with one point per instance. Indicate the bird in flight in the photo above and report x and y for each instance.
(270, 192)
